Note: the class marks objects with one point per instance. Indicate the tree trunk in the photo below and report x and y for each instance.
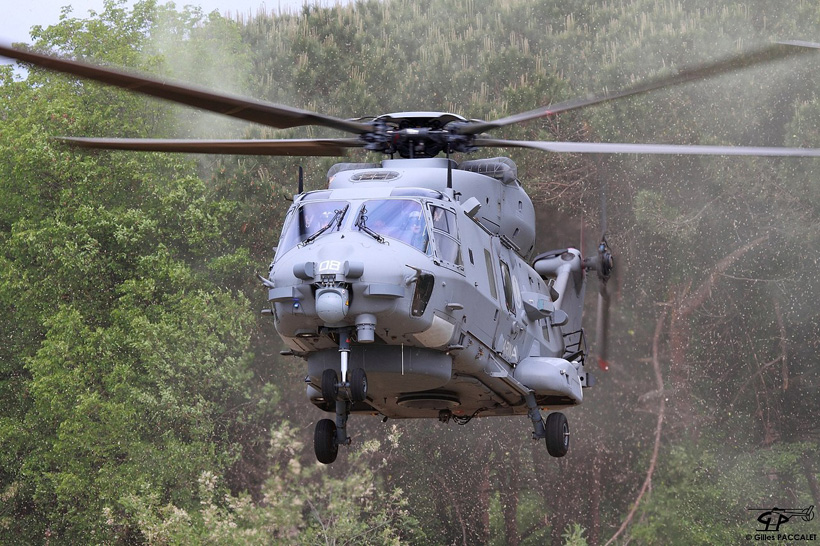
(484, 490)
(595, 501)
(679, 370)
(509, 498)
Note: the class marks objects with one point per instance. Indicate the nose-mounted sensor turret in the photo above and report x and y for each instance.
(332, 305)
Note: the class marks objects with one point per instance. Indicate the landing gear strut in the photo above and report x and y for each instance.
(328, 436)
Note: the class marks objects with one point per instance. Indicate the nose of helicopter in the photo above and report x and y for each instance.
(351, 281)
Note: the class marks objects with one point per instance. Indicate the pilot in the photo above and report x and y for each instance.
(439, 220)
(417, 235)
(326, 217)
(312, 222)
(309, 220)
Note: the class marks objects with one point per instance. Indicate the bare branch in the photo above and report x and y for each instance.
(699, 296)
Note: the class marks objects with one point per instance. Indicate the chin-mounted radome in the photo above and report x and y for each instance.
(332, 305)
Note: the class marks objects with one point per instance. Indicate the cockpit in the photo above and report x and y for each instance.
(399, 219)
(386, 220)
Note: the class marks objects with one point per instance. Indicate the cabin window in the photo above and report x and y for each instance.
(308, 219)
(509, 290)
(488, 260)
(401, 219)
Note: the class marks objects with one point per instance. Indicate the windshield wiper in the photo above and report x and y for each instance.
(336, 220)
(360, 223)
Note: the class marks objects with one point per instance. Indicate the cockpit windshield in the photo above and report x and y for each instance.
(398, 219)
(310, 220)
(401, 219)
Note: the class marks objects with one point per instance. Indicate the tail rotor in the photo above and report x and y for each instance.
(604, 264)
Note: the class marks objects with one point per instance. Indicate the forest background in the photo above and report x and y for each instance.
(143, 399)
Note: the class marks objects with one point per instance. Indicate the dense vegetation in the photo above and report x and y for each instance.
(143, 400)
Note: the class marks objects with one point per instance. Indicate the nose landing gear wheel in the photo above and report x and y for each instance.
(557, 434)
(358, 385)
(324, 441)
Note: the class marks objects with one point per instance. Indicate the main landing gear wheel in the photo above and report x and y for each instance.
(358, 385)
(330, 386)
(324, 441)
(557, 434)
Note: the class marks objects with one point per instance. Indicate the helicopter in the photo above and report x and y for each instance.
(410, 286)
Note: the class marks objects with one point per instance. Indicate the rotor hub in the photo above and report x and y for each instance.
(414, 135)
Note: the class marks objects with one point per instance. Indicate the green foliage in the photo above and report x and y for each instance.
(702, 496)
(302, 503)
(655, 214)
(138, 360)
(574, 536)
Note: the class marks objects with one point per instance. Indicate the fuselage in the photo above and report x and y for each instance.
(422, 265)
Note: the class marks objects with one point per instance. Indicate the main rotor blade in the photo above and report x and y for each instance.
(765, 54)
(265, 113)
(667, 149)
(295, 147)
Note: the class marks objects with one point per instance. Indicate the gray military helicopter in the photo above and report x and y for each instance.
(409, 285)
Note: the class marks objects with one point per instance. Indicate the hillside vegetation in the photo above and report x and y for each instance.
(143, 399)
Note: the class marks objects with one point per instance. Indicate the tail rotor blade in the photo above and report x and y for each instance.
(602, 328)
(603, 264)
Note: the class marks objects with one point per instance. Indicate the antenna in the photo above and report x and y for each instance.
(301, 180)
(449, 169)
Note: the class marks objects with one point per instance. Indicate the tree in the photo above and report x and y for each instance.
(302, 503)
(128, 371)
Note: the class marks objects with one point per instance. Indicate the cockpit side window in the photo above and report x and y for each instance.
(401, 219)
(445, 233)
(307, 220)
(444, 220)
